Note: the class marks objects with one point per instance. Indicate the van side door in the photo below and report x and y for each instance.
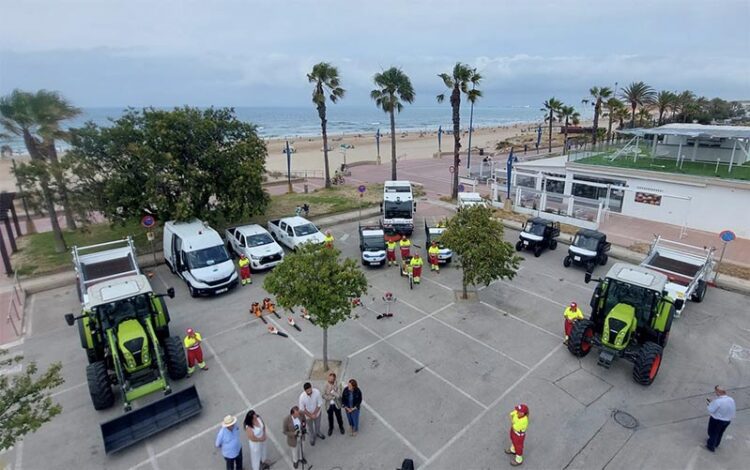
(177, 254)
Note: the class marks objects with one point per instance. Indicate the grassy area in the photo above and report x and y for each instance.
(37, 252)
(668, 165)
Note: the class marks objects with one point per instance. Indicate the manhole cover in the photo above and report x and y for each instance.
(625, 420)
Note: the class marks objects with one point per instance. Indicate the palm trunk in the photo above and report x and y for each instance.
(565, 138)
(597, 110)
(550, 130)
(62, 190)
(325, 349)
(393, 144)
(456, 108)
(609, 129)
(324, 130)
(49, 200)
(632, 117)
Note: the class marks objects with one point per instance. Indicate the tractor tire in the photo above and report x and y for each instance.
(603, 260)
(567, 261)
(100, 388)
(579, 342)
(175, 358)
(647, 363)
(519, 245)
(700, 292)
(537, 251)
(552, 244)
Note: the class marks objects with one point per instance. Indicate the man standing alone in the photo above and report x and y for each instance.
(722, 410)
(311, 406)
(332, 397)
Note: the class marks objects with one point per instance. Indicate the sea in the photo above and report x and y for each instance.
(281, 122)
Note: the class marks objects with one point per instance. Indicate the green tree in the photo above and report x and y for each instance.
(37, 117)
(644, 116)
(637, 94)
(552, 106)
(600, 95)
(566, 114)
(663, 101)
(181, 164)
(326, 79)
(315, 278)
(462, 79)
(613, 105)
(477, 239)
(25, 402)
(394, 87)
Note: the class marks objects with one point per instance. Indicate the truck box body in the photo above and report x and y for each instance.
(398, 208)
(102, 262)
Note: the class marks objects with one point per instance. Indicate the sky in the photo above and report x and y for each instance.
(257, 53)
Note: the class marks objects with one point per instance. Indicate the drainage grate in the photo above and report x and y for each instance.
(624, 419)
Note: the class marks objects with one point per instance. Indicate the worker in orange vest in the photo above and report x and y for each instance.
(572, 314)
(194, 351)
(519, 422)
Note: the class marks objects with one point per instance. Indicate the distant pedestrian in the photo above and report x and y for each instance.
(352, 400)
(722, 410)
(572, 314)
(294, 428)
(244, 264)
(228, 440)
(256, 434)
(194, 351)
(311, 405)
(519, 422)
(332, 397)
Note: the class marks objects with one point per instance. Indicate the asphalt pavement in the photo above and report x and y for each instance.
(438, 378)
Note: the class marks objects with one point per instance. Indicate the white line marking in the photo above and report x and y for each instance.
(438, 283)
(30, 322)
(534, 294)
(294, 340)
(69, 389)
(152, 457)
(408, 304)
(19, 456)
(235, 327)
(226, 372)
(556, 278)
(498, 309)
(428, 369)
(393, 430)
(344, 237)
(493, 405)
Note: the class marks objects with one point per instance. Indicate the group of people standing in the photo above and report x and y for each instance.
(304, 419)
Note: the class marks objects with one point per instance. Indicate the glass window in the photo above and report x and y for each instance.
(259, 239)
(306, 229)
(206, 257)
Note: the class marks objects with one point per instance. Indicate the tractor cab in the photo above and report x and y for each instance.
(538, 234)
(588, 249)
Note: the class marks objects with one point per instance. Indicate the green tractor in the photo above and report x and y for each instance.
(124, 329)
(631, 317)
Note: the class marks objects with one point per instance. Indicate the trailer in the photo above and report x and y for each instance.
(689, 269)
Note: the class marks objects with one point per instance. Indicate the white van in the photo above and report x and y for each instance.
(196, 253)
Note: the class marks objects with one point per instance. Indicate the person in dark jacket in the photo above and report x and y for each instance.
(352, 400)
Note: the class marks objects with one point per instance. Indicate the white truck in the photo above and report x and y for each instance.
(398, 208)
(294, 231)
(689, 269)
(469, 200)
(256, 244)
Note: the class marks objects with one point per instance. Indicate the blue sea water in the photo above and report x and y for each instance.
(303, 121)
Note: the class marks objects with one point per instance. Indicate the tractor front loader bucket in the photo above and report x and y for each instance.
(144, 422)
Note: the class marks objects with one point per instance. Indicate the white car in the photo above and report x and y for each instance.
(256, 244)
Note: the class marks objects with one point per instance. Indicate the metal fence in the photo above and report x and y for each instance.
(571, 210)
(16, 316)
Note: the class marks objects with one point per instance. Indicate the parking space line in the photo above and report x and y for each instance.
(437, 283)
(427, 368)
(385, 423)
(493, 405)
(534, 294)
(69, 389)
(498, 309)
(294, 340)
(235, 327)
(19, 455)
(408, 304)
(152, 457)
(584, 288)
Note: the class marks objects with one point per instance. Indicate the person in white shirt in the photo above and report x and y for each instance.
(722, 410)
(256, 435)
(311, 405)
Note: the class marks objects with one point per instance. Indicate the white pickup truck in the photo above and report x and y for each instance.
(294, 231)
(256, 244)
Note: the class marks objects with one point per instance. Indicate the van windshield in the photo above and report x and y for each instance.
(206, 257)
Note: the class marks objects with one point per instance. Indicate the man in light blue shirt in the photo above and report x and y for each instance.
(228, 440)
(722, 410)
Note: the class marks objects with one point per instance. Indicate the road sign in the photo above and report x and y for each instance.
(362, 188)
(727, 235)
(452, 169)
(148, 221)
(461, 188)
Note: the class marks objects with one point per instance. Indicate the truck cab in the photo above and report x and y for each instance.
(398, 209)
(256, 244)
(196, 253)
(372, 245)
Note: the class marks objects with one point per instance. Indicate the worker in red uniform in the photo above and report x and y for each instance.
(433, 251)
(194, 351)
(571, 314)
(519, 422)
(390, 252)
(405, 246)
(328, 239)
(416, 268)
(245, 270)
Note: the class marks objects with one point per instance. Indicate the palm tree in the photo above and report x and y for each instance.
(36, 117)
(663, 101)
(458, 82)
(643, 115)
(394, 87)
(552, 105)
(637, 94)
(613, 105)
(326, 79)
(567, 113)
(600, 95)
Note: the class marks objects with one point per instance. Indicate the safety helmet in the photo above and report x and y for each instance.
(328, 232)
(242, 255)
(189, 331)
(573, 305)
(522, 408)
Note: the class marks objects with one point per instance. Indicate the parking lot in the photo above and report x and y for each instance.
(438, 379)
